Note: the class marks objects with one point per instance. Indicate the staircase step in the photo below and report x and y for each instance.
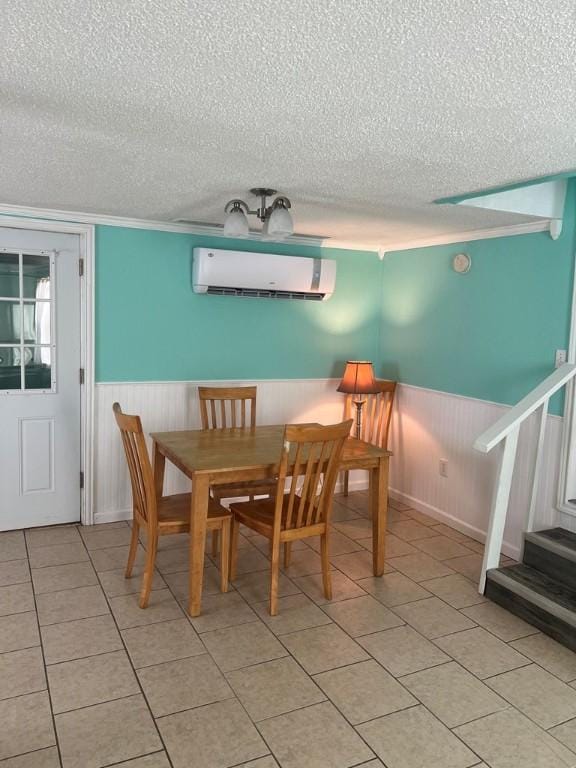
(552, 552)
(537, 598)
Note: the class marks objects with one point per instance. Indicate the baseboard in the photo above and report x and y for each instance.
(453, 522)
(112, 516)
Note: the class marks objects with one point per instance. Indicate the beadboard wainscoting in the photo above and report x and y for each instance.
(427, 426)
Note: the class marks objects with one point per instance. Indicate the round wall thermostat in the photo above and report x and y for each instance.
(461, 263)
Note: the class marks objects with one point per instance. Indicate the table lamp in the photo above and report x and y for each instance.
(358, 379)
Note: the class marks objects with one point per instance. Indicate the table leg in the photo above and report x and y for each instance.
(379, 508)
(159, 463)
(198, 519)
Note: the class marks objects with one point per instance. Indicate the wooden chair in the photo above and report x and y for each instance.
(229, 407)
(376, 416)
(158, 517)
(314, 452)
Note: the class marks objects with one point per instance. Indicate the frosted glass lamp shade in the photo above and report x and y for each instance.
(236, 223)
(280, 224)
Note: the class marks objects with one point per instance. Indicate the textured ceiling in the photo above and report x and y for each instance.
(165, 109)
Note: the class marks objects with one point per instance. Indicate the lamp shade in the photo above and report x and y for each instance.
(236, 223)
(280, 224)
(358, 378)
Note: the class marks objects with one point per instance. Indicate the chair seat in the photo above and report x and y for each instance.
(174, 512)
(248, 488)
(259, 514)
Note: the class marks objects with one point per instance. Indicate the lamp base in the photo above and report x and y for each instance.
(359, 404)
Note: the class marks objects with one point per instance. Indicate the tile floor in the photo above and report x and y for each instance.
(413, 670)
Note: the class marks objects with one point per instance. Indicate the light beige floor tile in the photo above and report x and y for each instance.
(395, 516)
(214, 736)
(566, 734)
(52, 536)
(304, 562)
(172, 541)
(546, 652)
(355, 565)
(161, 607)
(18, 631)
(499, 621)
(26, 724)
(445, 530)
(456, 590)
(106, 733)
(295, 612)
(97, 538)
(43, 758)
(413, 738)
(402, 650)
(411, 531)
(115, 557)
(322, 648)
(226, 609)
(58, 554)
(183, 684)
(178, 583)
(14, 572)
(53, 578)
(538, 694)
(399, 505)
(442, 548)
(343, 588)
(71, 604)
(433, 617)
(80, 638)
(338, 544)
(394, 589)
(157, 760)
(12, 546)
(358, 528)
(396, 547)
(468, 565)
(165, 641)
(316, 736)
(255, 587)
(23, 672)
(274, 688)
(243, 645)
(173, 560)
(262, 762)
(508, 739)
(341, 512)
(83, 682)
(114, 583)
(420, 517)
(453, 694)
(17, 598)
(481, 653)
(420, 567)
(378, 764)
(251, 559)
(364, 691)
(362, 616)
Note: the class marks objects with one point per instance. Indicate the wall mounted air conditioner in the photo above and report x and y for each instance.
(262, 275)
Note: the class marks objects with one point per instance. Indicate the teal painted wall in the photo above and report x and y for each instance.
(491, 333)
(151, 326)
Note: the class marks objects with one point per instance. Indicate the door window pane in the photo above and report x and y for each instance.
(37, 368)
(9, 275)
(10, 322)
(10, 368)
(36, 319)
(36, 276)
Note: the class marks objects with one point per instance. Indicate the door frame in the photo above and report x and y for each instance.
(86, 233)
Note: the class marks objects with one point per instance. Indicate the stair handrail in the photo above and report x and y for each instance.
(505, 431)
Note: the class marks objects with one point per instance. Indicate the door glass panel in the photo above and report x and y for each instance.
(37, 368)
(10, 322)
(9, 275)
(10, 368)
(36, 276)
(36, 318)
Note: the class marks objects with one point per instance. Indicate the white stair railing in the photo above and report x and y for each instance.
(506, 431)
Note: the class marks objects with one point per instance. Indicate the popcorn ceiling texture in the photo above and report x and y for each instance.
(166, 109)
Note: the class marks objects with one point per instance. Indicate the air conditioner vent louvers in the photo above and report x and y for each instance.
(259, 293)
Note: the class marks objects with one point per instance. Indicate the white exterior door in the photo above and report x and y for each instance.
(40, 333)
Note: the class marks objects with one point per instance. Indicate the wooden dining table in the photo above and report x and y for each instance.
(215, 456)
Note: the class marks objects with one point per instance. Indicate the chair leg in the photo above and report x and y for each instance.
(152, 547)
(234, 547)
(326, 574)
(287, 553)
(275, 575)
(224, 555)
(133, 549)
(346, 477)
(215, 537)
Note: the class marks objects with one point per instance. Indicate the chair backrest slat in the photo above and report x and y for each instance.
(227, 407)
(311, 454)
(139, 467)
(377, 413)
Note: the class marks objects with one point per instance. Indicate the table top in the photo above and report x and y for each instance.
(250, 450)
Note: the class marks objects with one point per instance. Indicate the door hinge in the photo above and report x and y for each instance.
(81, 375)
(81, 480)
(81, 267)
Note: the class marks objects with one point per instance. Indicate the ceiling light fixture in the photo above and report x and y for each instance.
(276, 217)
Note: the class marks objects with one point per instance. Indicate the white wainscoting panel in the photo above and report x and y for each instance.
(427, 426)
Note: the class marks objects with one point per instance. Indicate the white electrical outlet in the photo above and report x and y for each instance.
(560, 358)
(443, 467)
